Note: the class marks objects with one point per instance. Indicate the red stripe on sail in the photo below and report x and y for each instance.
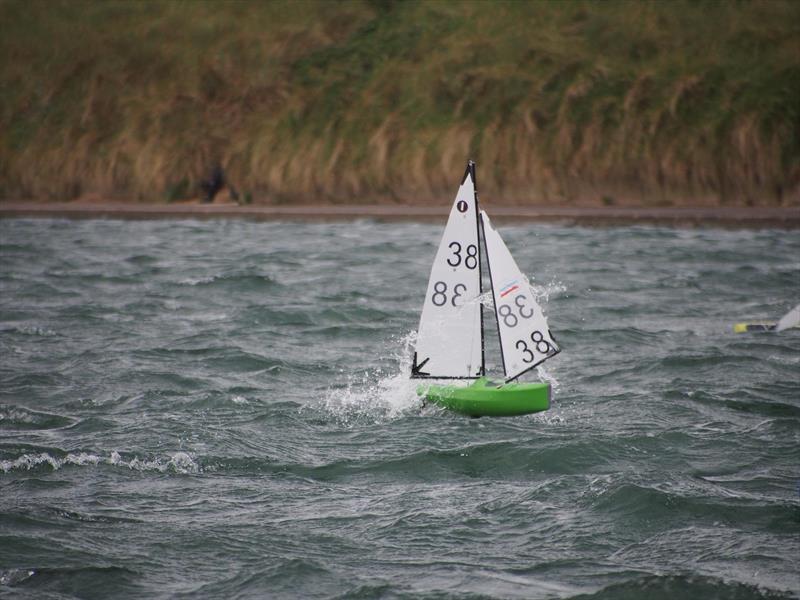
(505, 293)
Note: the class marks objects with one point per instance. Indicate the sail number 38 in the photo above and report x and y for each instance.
(470, 260)
(508, 316)
(542, 346)
(439, 297)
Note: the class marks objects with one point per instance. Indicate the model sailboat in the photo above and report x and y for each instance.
(450, 340)
(790, 320)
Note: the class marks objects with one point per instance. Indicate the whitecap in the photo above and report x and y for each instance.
(180, 462)
(14, 577)
(36, 330)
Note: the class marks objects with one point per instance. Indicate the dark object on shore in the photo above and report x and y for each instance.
(215, 183)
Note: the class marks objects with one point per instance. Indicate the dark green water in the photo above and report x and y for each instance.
(221, 409)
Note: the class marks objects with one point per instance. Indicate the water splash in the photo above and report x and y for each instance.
(548, 377)
(377, 395)
(486, 299)
(542, 293)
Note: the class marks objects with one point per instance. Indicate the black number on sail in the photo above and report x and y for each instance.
(472, 256)
(470, 262)
(542, 346)
(456, 293)
(456, 254)
(509, 318)
(520, 302)
(439, 298)
(521, 345)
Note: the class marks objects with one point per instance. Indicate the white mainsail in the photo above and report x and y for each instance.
(525, 339)
(790, 319)
(450, 336)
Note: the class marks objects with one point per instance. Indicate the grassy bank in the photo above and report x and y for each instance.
(560, 103)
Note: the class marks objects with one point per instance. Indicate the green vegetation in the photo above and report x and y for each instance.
(351, 101)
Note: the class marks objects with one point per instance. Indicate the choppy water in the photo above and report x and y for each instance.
(221, 409)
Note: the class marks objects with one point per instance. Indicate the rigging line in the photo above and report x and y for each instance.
(533, 366)
(494, 298)
(471, 166)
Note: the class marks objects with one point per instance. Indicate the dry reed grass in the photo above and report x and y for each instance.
(649, 103)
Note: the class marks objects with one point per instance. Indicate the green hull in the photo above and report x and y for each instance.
(486, 398)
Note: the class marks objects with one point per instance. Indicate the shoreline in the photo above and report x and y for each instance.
(737, 217)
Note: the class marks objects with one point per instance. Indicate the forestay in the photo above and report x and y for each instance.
(525, 339)
(449, 340)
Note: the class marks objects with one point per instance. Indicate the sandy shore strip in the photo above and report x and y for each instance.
(780, 217)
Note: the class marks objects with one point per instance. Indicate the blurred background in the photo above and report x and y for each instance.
(560, 103)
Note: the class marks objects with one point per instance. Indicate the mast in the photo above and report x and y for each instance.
(471, 167)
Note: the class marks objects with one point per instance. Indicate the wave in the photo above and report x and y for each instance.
(504, 460)
(33, 330)
(640, 503)
(228, 358)
(142, 259)
(17, 417)
(180, 462)
(91, 581)
(284, 577)
(682, 586)
(238, 282)
(13, 577)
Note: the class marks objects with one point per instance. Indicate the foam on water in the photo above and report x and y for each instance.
(16, 417)
(179, 462)
(34, 330)
(13, 577)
